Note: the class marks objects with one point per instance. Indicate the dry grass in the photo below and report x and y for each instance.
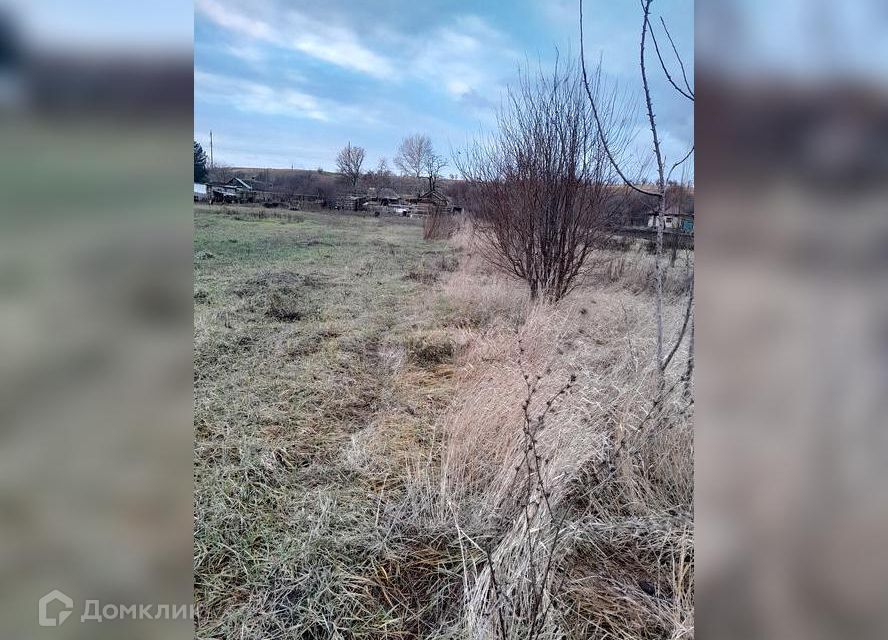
(619, 468)
(440, 226)
(358, 430)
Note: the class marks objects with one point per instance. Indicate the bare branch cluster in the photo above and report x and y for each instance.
(349, 162)
(412, 154)
(417, 158)
(542, 188)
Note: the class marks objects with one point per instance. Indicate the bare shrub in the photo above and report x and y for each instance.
(439, 225)
(541, 186)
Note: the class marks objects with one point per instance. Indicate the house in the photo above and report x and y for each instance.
(434, 198)
(200, 192)
(433, 202)
(676, 218)
(236, 190)
(239, 185)
(224, 193)
(383, 196)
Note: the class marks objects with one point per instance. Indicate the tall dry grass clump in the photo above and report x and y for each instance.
(565, 476)
(439, 225)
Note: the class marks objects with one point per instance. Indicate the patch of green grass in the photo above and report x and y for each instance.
(300, 330)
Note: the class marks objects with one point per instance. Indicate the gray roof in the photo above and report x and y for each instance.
(239, 183)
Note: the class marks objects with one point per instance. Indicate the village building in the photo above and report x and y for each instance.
(432, 202)
(200, 192)
(225, 192)
(677, 219)
(240, 190)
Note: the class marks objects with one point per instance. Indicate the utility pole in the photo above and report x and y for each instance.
(212, 165)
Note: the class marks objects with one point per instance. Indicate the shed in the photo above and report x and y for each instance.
(675, 218)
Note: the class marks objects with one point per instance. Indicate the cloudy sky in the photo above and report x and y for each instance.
(287, 83)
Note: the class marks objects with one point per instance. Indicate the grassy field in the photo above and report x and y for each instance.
(358, 412)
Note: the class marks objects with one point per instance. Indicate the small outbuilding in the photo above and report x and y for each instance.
(675, 218)
(433, 202)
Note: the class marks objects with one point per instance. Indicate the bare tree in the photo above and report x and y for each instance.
(349, 162)
(432, 166)
(542, 187)
(417, 158)
(382, 167)
(383, 175)
(659, 191)
(412, 153)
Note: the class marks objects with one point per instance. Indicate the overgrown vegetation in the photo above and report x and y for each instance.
(541, 185)
(393, 441)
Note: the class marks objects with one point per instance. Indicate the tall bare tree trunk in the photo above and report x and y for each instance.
(689, 370)
(661, 210)
(660, 191)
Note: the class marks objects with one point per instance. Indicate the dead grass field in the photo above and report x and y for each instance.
(357, 420)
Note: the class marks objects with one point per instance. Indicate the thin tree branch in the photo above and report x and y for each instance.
(680, 162)
(689, 96)
(604, 143)
(677, 57)
(684, 326)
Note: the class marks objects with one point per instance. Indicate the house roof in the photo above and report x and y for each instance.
(237, 182)
(434, 194)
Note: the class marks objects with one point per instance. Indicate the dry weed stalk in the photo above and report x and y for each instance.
(541, 531)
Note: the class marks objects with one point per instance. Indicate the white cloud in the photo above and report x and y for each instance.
(337, 45)
(319, 39)
(234, 20)
(246, 53)
(254, 97)
(467, 58)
